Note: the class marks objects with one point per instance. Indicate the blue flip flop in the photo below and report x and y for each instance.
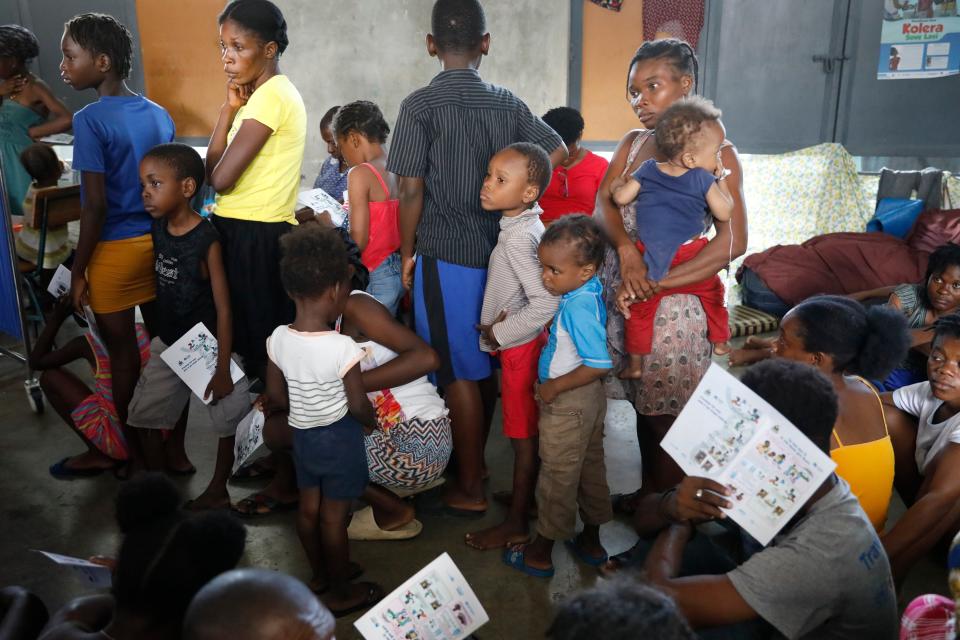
(514, 558)
(583, 556)
(61, 471)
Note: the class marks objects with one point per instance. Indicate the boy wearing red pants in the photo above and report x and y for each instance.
(516, 308)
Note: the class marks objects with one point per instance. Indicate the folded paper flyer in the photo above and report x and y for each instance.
(729, 434)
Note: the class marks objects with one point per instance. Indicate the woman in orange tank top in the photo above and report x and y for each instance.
(850, 344)
(361, 131)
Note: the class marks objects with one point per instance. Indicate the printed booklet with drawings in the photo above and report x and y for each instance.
(729, 434)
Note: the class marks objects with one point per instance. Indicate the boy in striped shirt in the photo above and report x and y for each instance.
(516, 308)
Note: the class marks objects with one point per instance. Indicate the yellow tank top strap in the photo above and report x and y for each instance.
(876, 394)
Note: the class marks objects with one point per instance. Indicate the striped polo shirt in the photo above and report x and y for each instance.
(578, 335)
(446, 134)
(514, 283)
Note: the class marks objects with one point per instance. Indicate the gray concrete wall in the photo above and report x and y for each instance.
(345, 50)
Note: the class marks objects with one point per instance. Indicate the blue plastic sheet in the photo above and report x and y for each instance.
(895, 216)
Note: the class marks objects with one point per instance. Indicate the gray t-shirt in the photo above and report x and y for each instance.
(825, 577)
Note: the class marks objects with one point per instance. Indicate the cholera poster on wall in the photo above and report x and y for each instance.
(919, 39)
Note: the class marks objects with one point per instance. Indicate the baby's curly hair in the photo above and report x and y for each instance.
(680, 125)
(361, 116)
(314, 259)
(583, 233)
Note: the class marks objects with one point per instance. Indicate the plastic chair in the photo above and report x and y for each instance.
(53, 207)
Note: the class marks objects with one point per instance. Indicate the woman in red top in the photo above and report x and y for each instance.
(573, 187)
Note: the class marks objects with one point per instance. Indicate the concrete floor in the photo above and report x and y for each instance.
(76, 518)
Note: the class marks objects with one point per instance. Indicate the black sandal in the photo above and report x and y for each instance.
(375, 594)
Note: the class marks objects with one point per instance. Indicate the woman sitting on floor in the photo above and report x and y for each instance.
(851, 344)
(847, 343)
(921, 304)
(924, 421)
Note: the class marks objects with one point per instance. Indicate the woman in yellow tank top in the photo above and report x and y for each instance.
(850, 343)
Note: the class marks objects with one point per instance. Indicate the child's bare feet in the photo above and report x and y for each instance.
(455, 498)
(721, 348)
(633, 367)
(507, 533)
(209, 500)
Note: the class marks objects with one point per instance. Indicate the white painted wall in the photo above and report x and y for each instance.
(344, 50)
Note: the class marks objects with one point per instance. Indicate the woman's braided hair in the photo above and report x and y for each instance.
(677, 52)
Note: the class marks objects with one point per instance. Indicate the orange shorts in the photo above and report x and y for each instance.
(120, 274)
(518, 375)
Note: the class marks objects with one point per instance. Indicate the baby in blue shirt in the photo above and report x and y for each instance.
(674, 200)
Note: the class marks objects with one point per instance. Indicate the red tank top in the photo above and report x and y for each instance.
(384, 227)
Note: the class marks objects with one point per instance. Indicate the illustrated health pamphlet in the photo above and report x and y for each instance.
(435, 604)
(249, 442)
(194, 358)
(729, 434)
(96, 575)
(60, 282)
(320, 201)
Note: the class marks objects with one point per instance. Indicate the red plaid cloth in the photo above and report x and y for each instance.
(682, 19)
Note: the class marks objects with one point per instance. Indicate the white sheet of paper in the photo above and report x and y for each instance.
(249, 443)
(319, 200)
(60, 282)
(435, 604)
(194, 358)
(729, 434)
(58, 138)
(96, 575)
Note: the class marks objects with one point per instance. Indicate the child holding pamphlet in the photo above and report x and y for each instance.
(191, 288)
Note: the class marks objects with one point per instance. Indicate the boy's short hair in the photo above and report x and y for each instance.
(458, 26)
(41, 162)
(802, 394)
(567, 122)
(361, 116)
(19, 43)
(260, 17)
(681, 123)
(581, 230)
(182, 158)
(256, 604)
(947, 327)
(313, 260)
(102, 33)
(619, 609)
(539, 168)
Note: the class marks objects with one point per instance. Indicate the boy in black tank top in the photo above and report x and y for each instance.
(191, 288)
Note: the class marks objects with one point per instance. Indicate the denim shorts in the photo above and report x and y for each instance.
(385, 284)
(332, 457)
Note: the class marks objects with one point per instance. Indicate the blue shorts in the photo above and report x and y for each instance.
(447, 299)
(333, 458)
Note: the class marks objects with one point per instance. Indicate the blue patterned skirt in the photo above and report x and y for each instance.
(409, 454)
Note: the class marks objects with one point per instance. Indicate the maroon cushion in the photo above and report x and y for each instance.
(933, 228)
